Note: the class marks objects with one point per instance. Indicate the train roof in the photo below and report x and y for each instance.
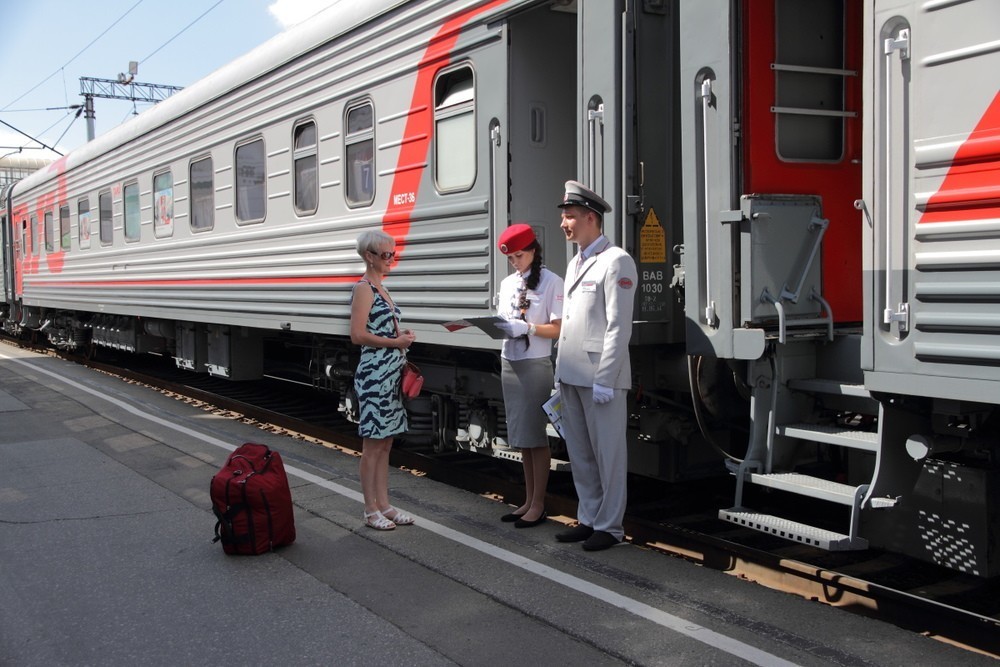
(336, 20)
(23, 162)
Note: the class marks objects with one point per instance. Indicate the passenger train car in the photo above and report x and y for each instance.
(811, 191)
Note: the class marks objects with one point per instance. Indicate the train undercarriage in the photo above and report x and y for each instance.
(671, 437)
(913, 475)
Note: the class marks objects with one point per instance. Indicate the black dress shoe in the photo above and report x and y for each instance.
(524, 523)
(511, 518)
(599, 541)
(575, 534)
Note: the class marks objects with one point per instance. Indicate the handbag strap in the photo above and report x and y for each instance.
(395, 323)
(390, 303)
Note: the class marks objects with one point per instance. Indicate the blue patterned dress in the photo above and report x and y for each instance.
(378, 376)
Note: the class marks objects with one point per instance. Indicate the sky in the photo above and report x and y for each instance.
(47, 45)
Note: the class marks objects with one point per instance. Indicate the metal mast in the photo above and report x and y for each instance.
(124, 88)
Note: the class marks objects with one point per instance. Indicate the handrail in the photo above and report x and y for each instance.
(706, 101)
(495, 194)
(900, 43)
(594, 116)
(819, 225)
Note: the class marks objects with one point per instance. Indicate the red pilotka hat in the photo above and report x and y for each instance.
(516, 238)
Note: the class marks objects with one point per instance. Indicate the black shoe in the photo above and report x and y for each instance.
(524, 523)
(510, 518)
(599, 541)
(575, 534)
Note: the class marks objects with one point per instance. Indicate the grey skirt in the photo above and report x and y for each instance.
(527, 383)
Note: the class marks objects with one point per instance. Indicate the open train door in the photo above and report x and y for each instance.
(540, 137)
(800, 127)
(709, 163)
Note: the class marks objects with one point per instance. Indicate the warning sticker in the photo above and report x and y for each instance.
(652, 240)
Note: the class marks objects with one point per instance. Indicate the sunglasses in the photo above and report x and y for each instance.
(384, 255)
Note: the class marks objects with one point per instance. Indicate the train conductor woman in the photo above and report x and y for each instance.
(531, 302)
(593, 368)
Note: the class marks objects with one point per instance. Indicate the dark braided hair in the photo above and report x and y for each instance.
(536, 265)
(530, 283)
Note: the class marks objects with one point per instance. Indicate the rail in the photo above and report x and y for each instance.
(683, 530)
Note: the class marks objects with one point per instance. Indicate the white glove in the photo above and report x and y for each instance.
(603, 394)
(513, 328)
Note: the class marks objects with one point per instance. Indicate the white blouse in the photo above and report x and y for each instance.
(545, 304)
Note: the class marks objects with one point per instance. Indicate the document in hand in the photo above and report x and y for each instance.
(553, 410)
(486, 324)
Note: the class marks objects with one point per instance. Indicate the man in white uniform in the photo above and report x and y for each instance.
(593, 368)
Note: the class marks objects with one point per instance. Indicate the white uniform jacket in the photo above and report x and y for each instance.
(597, 319)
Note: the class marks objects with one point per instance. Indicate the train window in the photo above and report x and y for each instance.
(106, 221)
(360, 150)
(83, 222)
(64, 240)
(202, 194)
(50, 244)
(454, 130)
(250, 176)
(304, 164)
(34, 235)
(132, 222)
(163, 205)
(810, 80)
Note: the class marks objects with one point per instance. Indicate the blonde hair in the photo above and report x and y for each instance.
(371, 239)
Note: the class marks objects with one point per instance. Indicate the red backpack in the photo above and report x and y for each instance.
(252, 501)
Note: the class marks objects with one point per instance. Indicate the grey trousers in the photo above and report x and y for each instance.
(598, 456)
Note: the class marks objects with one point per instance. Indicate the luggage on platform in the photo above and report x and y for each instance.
(252, 501)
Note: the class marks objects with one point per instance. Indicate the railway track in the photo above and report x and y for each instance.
(677, 520)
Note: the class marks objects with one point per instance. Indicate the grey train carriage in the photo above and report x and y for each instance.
(811, 192)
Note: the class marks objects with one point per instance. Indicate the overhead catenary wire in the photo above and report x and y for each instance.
(37, 141)
(79, 53)
(83, 50)
(182, 31)
(75, 116)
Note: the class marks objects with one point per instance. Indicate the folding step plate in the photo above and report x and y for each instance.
(807, 485)
(793, 530)
(826, 386)
(831, 435)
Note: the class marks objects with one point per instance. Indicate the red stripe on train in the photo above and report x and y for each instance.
(402, 196)
(170, 282)
(419, 126)
(971, 188)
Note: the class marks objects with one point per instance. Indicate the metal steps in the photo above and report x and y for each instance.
(806, 485)
(825, 386)
(831, 435)
(828, 395)
(793, 530)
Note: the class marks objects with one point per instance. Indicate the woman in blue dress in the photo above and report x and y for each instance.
(374, 326)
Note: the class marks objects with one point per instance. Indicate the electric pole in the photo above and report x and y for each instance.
(124, 88)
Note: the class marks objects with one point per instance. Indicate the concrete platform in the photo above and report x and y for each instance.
(106, 558)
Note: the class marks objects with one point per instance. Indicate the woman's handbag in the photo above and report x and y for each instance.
(413, 381)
